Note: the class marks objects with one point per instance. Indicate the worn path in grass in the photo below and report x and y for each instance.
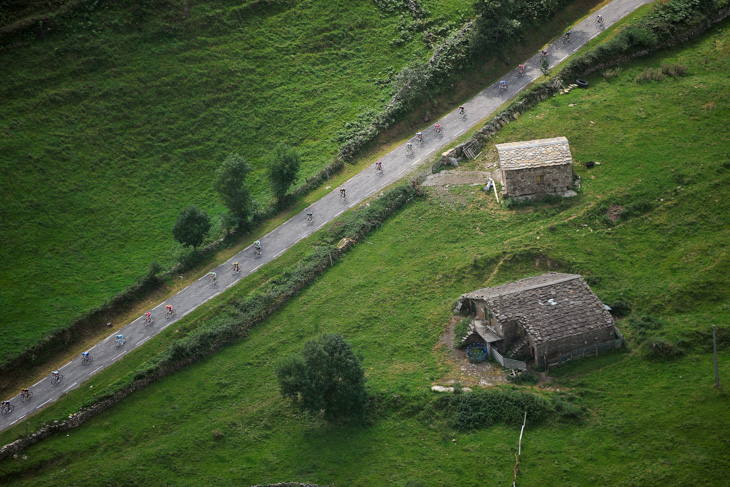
(396, 165)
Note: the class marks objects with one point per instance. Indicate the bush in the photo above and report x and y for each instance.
(485, 408)
(650, 74)
(660, 349)
(674, 70)
(326, 376)
(460, 331)
(283, 170)
(230, 182)
(191, 227)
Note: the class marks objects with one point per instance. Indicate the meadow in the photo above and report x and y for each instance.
(649, 231)
(116, 118)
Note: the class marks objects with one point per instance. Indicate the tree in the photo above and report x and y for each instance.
(326, 376)
(191, 226)
(230, 179)
(283, 170)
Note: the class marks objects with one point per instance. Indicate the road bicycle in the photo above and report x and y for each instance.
(56, 378)
(310, 218)
(437, 128)
(409, 150)
(7, 409)
(169, 313)
(25, 396)
(213, 278)
(87, 359)
(148, 320)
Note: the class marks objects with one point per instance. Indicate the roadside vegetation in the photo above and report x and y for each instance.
(114, 117)
(649, 231)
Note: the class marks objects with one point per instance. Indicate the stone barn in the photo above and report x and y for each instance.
(536, 167)
(541, 317)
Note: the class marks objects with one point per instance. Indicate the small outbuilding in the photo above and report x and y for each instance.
(536, 167)
(541, 317)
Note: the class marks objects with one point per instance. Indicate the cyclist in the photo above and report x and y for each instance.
(409, 148)
(461, 110)
(567, 35)
(5, 406)
(503, 85)
(599, 19)
(24, 392)
(236, 268)
(310, 217)
(120, 339)
(437, 128)
(379, 166)
(543, 53)
(213, 276)
(419, 136)
(55, 376)
(148, 317)
(343, 193)
(522, 69)
(85, 355)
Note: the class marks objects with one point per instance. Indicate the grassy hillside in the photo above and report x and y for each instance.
(115, 118)
(649, 228)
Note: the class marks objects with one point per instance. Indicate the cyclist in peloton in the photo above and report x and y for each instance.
(310, 216)
(55, 374)
(24, 392)
(120, 338)
(85, 354)
(409, 148)
(236, 267)
(169, 309)
(522, 69)
(5, 405)
(148, 317)
(544, 53)
(599, 19)
(213, 276)
(343, 193)
(437, 128)
(419, 136)
(379, 166)
(567, 35)
(502, 85)
(461, 110)
(257, 247)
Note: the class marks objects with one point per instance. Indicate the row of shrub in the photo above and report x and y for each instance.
(498, 25)
(239, 314)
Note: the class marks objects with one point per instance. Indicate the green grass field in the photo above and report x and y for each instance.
(115, 120)
(663, 173)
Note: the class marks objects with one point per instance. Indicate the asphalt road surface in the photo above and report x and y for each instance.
(395, 166)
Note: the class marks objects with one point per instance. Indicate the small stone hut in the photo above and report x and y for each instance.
(536, 167)
(541, 317)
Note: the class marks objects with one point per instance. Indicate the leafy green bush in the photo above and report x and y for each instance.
(610, 74)
(480, 409)
(650, 74)
(460, 331)
(661, 349)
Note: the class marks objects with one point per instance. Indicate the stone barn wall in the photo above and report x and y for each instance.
(556, 180)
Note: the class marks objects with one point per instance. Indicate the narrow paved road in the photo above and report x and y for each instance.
(395, 165)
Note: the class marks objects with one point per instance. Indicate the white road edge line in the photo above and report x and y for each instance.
(144, 340)
(44, 403)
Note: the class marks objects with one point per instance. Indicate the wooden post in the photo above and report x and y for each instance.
(714, 350)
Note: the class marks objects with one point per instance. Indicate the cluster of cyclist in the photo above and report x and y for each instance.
(86, 358)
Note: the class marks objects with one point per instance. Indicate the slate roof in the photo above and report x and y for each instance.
(551, 306)
(534, 153)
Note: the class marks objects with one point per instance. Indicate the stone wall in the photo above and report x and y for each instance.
(556, 180)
